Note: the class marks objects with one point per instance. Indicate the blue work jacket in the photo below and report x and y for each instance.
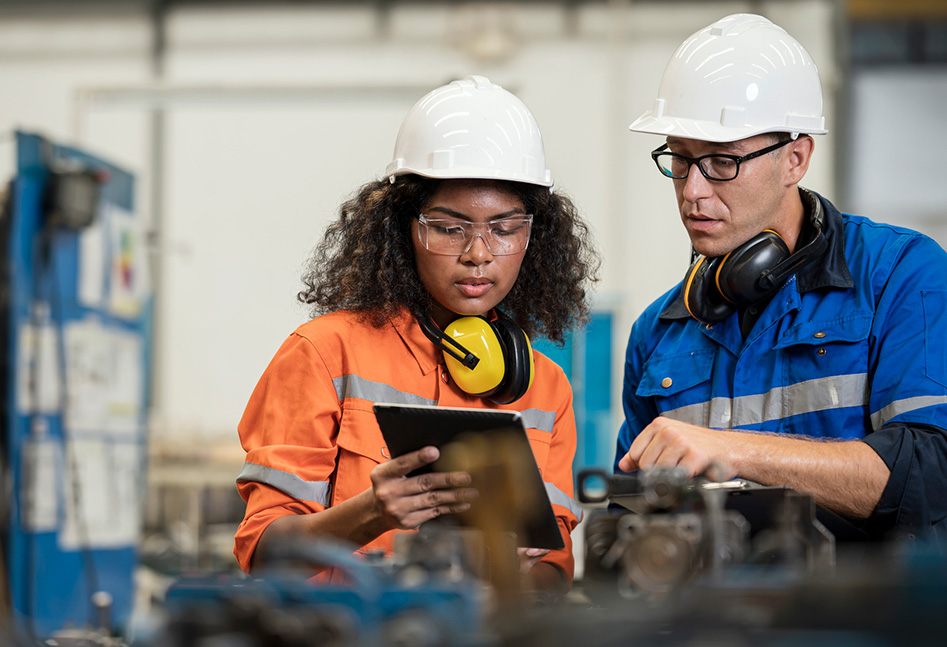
(853, 346)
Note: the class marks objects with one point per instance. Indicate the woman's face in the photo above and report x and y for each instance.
(474, 281)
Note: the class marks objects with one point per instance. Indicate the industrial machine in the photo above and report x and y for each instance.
(75, 310)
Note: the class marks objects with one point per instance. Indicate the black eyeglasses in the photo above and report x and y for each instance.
(719, 167)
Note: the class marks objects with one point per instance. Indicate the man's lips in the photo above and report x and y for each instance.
(701, 222)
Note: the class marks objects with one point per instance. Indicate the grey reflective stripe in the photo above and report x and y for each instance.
(558, 497)
(834, 392)
(353, 386)
(880, 418)
(315, 491)
(539, 419)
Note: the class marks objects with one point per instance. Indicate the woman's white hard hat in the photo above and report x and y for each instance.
(741, 76)
(474, 129)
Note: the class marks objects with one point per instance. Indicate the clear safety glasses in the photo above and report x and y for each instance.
(720, 167)
(451, 236)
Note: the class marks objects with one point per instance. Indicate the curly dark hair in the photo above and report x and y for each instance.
(365, 261)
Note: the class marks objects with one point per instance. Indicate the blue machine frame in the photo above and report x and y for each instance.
(58, 551)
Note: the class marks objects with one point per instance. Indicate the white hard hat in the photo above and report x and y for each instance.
(470, 129)
(739, 77)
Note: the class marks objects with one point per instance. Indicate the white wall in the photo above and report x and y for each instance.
(896, 157)
(272, 117)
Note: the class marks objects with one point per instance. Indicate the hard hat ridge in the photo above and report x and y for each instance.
(470, 129)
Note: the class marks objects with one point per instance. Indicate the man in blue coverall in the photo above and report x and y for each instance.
(804, 348)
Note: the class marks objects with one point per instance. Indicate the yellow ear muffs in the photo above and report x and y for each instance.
(489, 360)
(479, 338)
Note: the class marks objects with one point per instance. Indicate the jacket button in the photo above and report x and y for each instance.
(819, 335)
(666, 382)
(821, 352)
(444, 376)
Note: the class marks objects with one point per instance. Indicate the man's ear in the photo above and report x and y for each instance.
(800, 152)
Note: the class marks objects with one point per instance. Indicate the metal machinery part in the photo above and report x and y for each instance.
(664, 532)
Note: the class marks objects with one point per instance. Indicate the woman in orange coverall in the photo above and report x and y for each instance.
(464, 222)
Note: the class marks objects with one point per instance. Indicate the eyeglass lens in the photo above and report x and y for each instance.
(716, 167)
(451, 236)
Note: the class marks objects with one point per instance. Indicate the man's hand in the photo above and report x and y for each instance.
(405, 503)
(845, 476)
(670, 443)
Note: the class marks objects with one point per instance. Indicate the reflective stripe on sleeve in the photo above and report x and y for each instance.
(353, 386)
(539, 419)
(898, 407)
(315, 491)
(558, 497)
(834, 392)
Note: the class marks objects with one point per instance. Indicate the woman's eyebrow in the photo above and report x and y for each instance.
(456, 214)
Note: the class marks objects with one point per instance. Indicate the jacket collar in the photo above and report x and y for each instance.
(827, 271)
(427, 355)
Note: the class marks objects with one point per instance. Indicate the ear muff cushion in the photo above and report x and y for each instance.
(739, 274)
(701, 297)
(519, 362)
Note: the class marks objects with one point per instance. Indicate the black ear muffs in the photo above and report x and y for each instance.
(488, 359)
(739, 272)
(714, 287)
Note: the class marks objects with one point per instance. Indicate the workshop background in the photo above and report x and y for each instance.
(245, 124)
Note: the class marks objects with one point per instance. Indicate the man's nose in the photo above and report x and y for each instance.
(695, 184)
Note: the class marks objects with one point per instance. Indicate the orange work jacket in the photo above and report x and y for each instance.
(312, 440)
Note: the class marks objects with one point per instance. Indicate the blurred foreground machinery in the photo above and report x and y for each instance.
(664, 532)
(428, 600)
(673, 562)
(689, 563)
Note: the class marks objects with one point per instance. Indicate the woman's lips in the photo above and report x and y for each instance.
(474, 287)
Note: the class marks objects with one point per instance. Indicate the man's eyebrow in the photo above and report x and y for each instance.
(456, 214)
(716, 148)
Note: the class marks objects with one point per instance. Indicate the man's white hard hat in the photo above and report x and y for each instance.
(741, 76)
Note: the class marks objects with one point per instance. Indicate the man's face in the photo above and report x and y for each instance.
(720, 216)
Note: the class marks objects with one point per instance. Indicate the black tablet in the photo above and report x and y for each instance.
(493, 447)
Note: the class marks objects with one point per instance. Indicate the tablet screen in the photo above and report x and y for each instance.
(493, 447)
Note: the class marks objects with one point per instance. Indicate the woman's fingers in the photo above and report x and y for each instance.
(410, 501)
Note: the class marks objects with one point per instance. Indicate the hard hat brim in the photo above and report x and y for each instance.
(465, 173)
(707, 131)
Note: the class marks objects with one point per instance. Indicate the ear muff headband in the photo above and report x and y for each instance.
(502, 360)
(450, 346)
